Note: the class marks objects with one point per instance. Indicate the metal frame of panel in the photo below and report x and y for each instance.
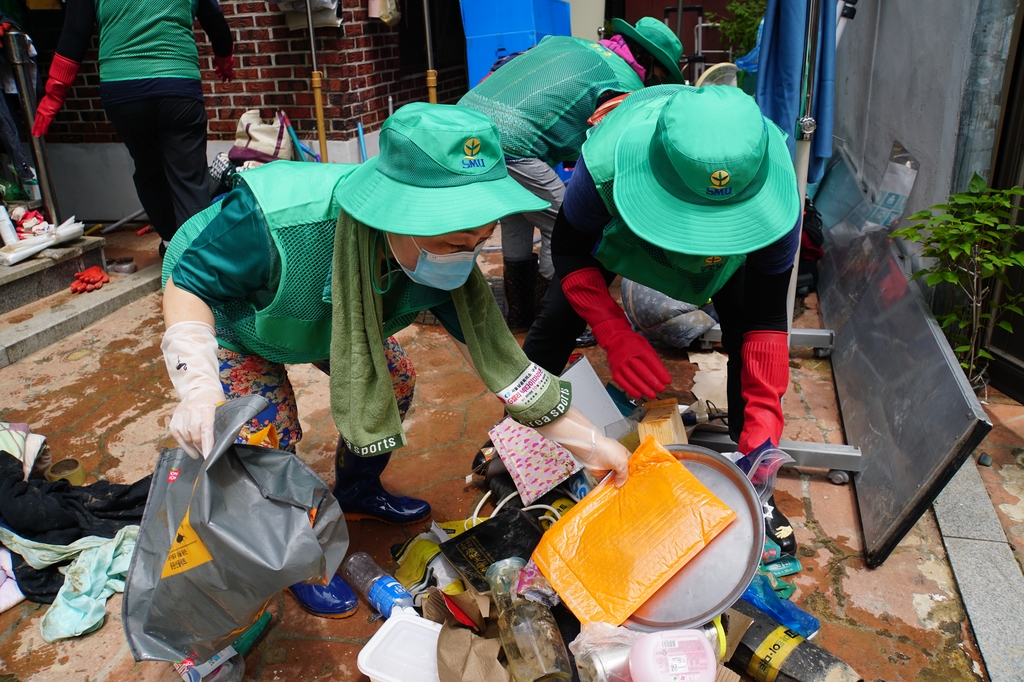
(903, 398)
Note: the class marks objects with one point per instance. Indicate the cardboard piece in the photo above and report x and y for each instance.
(465, 657)
(589, 394)
(736, 625)
(726, 675)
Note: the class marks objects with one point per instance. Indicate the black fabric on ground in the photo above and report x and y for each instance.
(59, 513)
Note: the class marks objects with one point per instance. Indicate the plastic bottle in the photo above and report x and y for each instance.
(531, 639)
(375, 584)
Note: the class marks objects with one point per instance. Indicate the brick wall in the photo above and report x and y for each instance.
(272, 64)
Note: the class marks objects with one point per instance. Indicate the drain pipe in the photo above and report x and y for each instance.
(16, 47)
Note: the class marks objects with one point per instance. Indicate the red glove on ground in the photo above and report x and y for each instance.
(62, 75)
(89, 279)
(634, 363)
(764, 380)
(225, 68)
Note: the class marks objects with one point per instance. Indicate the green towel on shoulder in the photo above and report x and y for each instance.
(362, 396)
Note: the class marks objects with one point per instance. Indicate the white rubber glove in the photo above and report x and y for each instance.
(595, 451)
(190, 353)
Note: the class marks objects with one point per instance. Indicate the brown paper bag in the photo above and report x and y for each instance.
(465, 657)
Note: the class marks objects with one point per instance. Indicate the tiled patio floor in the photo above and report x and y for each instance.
(102, 395)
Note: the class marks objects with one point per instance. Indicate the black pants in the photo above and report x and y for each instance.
(552, 338)
(166, 137)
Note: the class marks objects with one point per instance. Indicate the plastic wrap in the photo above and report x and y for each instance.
(602, 652)
(614, 549)
(762, 469)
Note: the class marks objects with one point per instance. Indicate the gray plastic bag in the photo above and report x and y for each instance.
(220, 537)
(661, 318)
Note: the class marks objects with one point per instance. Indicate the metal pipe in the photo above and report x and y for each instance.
(110, 228)
(16, 46)
(431, 73)
(316, 83)
(810, 64)
(391, 105)
(312, 36)
(679, 20)
(806, 125)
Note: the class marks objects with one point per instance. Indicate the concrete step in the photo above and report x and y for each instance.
(36, 325)
(48, 272)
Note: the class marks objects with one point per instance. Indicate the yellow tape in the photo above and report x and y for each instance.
(765, 663)
(187, 551)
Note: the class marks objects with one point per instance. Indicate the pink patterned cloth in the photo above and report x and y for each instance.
(618, 45)
(537, 464)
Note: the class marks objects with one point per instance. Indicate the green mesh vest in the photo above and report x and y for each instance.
(541, 100)
(301, 212)
(685, 277)
(146, 40)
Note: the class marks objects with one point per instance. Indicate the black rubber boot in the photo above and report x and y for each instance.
(520, 285)
(358, 489)
(778, 528)
(540, 287)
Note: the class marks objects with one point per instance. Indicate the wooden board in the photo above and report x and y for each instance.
(664, 423)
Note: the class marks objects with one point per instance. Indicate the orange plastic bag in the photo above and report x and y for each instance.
(614, 549)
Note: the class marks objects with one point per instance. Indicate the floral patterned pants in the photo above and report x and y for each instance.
(243, 374)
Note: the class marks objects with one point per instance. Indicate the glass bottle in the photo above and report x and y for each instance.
(533, 645)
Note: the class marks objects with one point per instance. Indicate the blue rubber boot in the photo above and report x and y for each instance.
(333, 600)
(358, 489)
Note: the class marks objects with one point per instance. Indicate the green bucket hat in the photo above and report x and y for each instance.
(440, 170)
(658, 39)
(710, 176)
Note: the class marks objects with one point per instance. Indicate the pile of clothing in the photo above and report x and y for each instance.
(69, 546)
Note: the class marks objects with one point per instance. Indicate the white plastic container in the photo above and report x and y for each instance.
(403, 650)
(673, 656)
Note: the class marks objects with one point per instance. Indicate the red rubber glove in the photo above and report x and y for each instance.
(635, 364)
(764, 380)
(62, 75)
(225, 67)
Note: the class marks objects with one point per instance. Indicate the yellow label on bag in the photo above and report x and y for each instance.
(767, 660)
(187, 551)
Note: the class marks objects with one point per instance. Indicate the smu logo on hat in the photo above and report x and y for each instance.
(471, 148)
(711, 263)
(719, 180)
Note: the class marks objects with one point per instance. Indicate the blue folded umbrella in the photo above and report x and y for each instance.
(780, 74)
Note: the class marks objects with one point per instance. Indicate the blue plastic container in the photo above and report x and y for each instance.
(483, 51)
(551, 18)
(488, 17)
(495, 29)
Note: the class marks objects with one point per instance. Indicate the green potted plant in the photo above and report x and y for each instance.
(739, 28)
(974, 241)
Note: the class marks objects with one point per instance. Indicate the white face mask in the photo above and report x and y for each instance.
(445, 271)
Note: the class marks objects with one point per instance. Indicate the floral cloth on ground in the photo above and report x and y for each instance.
(244, 374)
